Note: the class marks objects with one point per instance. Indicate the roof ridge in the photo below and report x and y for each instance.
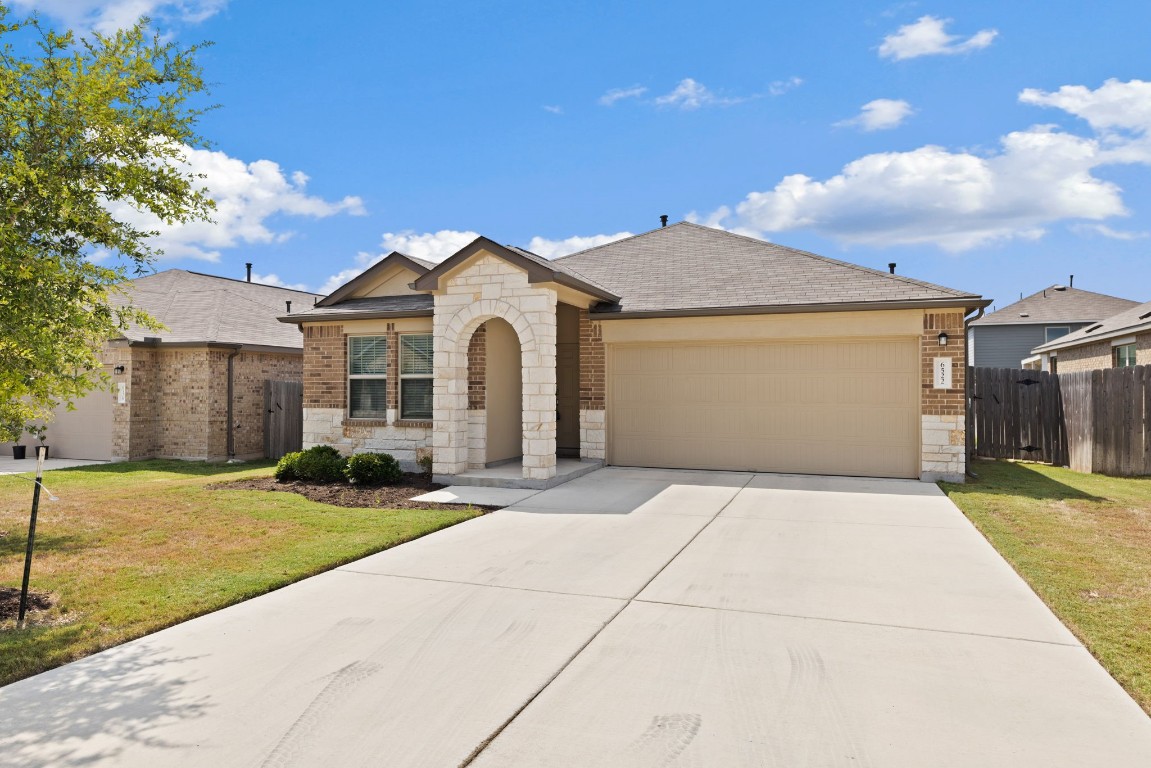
(622, 240)
(237, 280)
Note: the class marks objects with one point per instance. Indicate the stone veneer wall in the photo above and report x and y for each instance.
(943, 429)
(592, 424)
(325, 400)
(491, 287)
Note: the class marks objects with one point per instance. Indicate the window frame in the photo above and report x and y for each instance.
(1120, 352)
(1048, 338)
(401, 376)
(349, 377)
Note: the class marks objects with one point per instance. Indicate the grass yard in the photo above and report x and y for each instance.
(1083, 543)
(132, 548)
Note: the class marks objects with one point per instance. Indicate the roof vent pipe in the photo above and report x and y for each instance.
(1072, 283)
(663, 220)
(289, 306)
(249, 266)
(891, 267)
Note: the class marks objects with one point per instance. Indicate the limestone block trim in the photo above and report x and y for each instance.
(592, 434)
(942, 448)
(327, 426)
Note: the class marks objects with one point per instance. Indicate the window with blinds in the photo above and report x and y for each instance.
(416, 376)
(368, 377)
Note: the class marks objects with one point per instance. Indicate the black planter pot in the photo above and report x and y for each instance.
(18, 451)
(37, 448)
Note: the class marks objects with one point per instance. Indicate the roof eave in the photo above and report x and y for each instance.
(1127, 329)
(784, 309)
(353, 315)
(348, 288)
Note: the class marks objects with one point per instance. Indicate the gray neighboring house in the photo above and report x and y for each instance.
(1005, 338)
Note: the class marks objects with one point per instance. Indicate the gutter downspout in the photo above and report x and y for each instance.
(231, 389)
(967, 403)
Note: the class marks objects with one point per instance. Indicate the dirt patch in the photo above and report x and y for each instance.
(10, 602)
(396, 496)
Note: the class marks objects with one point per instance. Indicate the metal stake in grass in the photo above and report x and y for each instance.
(41, 452)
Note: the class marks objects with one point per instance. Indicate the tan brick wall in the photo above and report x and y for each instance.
(477, 369)
(591, 361)
(942, 402)
(250, 371)
(1143, 349)
(1088, 357)
(325, 367)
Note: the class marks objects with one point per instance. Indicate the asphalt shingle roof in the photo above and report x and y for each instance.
(205, 308)
(688, 266)
(1133, 320)
(410, 302)
(1058, 304)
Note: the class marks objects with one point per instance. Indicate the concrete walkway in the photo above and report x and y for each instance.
(628, 618)
(10, 466)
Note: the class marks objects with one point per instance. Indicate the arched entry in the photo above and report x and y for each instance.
(503, 393)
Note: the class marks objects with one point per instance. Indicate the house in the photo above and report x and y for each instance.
(1120, 341)
(684, 347)
(193, 390)
(1003, 339)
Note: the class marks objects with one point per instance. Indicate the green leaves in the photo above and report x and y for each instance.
(87, 126)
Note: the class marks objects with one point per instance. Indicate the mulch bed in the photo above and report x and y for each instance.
(396, 496)
(10, 602)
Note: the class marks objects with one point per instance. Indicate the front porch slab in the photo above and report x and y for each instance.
(510, 475)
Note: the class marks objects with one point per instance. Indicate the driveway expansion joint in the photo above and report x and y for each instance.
(480, 584)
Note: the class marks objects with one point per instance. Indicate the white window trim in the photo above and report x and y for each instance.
(349, 376)
(1124, 341)
(400, 375)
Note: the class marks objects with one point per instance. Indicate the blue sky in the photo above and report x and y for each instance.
(990, 146)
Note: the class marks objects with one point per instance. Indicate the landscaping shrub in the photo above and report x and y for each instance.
(286, 467)
(373, 469)
(321, 464)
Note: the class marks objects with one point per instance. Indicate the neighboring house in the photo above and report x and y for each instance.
(1120, 341)
(173, 389)
(684, 347)
(1005, 338)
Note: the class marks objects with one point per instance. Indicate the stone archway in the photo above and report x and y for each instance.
(531, 312)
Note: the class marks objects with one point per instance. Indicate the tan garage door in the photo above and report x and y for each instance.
(821, 407)
(85, 433)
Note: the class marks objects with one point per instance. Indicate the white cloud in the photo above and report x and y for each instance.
(928, 37)
(880, 115)
(429, 246)
(689, 95)
(780, 87)
(619, 94)
(273, 279)
(1114, 234)
(246, 195)
(553, 249)
(959, 200)
(554, 109)
(107, 16)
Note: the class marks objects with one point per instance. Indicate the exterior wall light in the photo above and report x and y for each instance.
(943, 339)
(119, 369)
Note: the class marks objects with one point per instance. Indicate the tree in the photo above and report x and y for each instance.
(88, 126)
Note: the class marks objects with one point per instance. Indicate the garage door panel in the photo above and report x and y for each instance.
(834, 407)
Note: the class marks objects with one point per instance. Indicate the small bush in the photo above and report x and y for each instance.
(286, 467)
(373, 469)
(321, 464)
(425, 463)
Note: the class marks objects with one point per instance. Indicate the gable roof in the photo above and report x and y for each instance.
(1137, 319)
(395, 258)
(1058, 304)
(368, 308)
(690, 268)
(204, 308)
(539, 269)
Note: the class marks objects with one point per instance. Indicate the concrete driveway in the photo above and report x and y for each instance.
(628, 618)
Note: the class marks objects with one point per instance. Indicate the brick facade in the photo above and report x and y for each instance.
(942, 411)
(592, 388)
(1098, 355)
(325, 367)
(477, 369)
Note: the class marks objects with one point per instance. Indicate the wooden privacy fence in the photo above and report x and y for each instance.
(1092, 421)
(283, 417)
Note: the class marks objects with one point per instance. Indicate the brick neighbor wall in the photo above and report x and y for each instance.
(592, 389)
(250, 371)
(943, 427)
(1088, 357)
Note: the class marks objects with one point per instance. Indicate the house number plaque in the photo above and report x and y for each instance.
(942, 373)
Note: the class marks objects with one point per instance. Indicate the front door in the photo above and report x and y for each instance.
(567, 399)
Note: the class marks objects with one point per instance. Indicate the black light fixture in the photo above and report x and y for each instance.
(943, 338)
(119, 369)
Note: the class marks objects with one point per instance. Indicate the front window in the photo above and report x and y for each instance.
(416, 376)
(368, 377)
(1124, 355)
(1055, 331)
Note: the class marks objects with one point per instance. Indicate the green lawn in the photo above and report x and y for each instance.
(132, 548)
(1083, 543)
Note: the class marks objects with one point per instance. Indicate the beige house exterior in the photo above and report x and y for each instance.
(1121, 340)
(685, 347)
(174, 389)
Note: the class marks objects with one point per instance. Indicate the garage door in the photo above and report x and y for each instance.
(85, 433)
(822, 407)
